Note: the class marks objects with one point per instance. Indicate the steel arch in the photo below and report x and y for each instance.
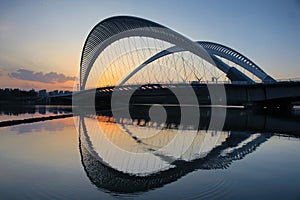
(215, 49)
(237, 58)
(115, 28)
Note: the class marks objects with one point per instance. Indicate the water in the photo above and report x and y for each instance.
(10, 112)
(52, 160)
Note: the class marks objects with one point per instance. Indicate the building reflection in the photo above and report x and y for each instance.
(134, 155)
(33, 109)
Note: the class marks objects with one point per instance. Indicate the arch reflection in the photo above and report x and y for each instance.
(129, 156)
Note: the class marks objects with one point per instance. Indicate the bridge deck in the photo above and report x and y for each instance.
(272, 95)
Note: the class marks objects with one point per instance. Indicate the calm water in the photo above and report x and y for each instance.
(9, 112)
(256, 156)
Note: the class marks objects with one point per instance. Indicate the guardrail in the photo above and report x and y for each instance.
(178, 84)
(289, 80)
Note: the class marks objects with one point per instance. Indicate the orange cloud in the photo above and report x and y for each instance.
(62, 83)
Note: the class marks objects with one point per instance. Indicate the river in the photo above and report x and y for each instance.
(98, 156)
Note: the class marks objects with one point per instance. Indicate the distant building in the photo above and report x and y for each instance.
(67, 92)
(32, 92)
(54, 92)
(42, 93)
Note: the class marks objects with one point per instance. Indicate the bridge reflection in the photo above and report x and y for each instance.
(128, 156)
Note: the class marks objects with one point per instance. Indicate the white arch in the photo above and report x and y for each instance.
(236, 57)
(112, 30)
(214, 49)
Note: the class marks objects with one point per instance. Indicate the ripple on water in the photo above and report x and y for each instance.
(217, 190)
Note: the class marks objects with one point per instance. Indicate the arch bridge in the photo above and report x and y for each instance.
(121, 52)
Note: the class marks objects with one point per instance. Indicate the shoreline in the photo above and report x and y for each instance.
(32, 120)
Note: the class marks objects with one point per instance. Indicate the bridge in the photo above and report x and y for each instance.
(149, 63)
(136, 65)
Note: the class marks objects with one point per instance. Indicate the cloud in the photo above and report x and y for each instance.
(51, 77)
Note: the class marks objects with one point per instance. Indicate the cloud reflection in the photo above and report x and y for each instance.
(49, 126)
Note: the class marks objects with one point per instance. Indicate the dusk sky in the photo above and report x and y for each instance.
(41, 41)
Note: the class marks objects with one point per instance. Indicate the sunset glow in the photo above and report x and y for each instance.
(34, 37)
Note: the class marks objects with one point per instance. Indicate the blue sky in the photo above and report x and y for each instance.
(48, 36)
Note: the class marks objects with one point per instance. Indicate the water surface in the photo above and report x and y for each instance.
(52, 160)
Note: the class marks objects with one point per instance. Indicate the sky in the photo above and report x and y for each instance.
(41, 41)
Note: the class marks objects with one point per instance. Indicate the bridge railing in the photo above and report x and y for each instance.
(289, 80)
(180, 84)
